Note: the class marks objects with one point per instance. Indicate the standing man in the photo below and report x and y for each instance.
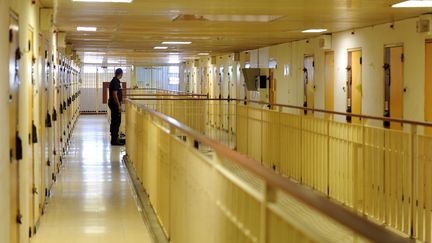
(114, 103)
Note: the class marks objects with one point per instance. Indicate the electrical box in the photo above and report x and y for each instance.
(237, 56)
(424, 24)
(46, 19)
(61, 40)
(258, 81)
(325, 42)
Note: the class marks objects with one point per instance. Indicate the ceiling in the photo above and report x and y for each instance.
(127, 33)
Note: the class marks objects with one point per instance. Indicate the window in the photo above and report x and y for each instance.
(173, 75)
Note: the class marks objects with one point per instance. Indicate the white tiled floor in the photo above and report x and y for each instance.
(93, 199)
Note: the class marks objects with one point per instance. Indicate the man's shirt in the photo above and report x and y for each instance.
(115, 85)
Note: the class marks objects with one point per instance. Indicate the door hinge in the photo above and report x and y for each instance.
(361, 60)
(402, 57)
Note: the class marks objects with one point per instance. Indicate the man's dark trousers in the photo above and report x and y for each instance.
(115, 123)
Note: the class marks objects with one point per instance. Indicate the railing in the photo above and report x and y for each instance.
(381, 173)
(202, 114)
(149, 91)
(223, 196)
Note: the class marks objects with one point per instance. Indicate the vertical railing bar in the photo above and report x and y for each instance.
(263, 223)
(364, 123)
(328, 157)
(301, 147)
(414, 187)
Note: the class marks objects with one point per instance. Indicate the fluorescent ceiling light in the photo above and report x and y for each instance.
(80, 28)
(104, 1)
(203, 54)
(413, 4)
(314, 30)
(160, 47)
(176, 42)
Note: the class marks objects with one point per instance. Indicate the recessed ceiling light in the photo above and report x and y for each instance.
(176, 42)
(314, 30)
(413, 4)
(160, 47)
(104, 1)
(203, 54)
(80, 28)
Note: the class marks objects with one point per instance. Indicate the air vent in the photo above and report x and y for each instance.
(228, 18)
(424, 24)
(189, 17)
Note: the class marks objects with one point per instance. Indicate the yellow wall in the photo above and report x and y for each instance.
(4, 120)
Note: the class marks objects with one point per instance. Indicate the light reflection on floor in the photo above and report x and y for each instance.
(92, 200)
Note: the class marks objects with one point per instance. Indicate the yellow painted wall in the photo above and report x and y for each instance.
(372, 41)
(29, 16)
(4, 120)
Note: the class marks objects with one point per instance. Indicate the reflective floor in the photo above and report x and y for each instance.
(93, 200)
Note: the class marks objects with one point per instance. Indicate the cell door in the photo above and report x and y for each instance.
(214, 88)
(229, 96)
(308, 85)
(47, 151)
(32, 128)
(329, 82)
(394, 87)
(354, 85)
(39, 156)
(222, 92)
(272, 89)
(14, 136)
(202, 78)
(428, 84)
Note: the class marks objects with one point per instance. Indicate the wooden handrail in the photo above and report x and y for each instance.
(380, 118)
(174, 95)
(411, 122)
(166, 90)
(191, 99)
(319, 202)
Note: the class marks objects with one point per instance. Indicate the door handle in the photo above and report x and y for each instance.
(18, 144)
(34, 133)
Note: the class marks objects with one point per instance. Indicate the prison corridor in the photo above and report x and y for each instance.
(93, 199)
